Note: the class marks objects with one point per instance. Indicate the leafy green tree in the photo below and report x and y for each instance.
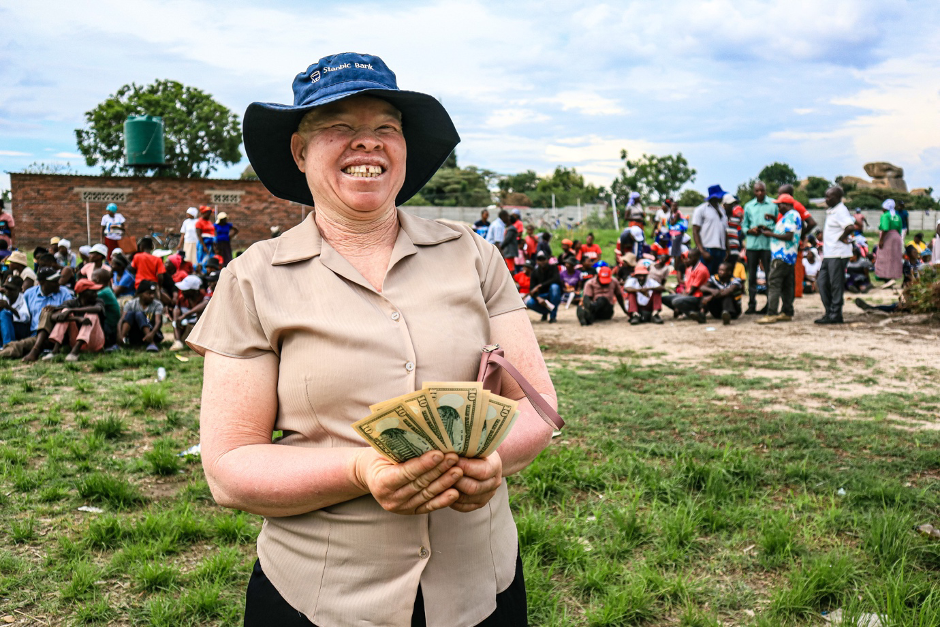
(817, 186)
(690, 198)
(459, 187)
(567, 185)
(522, 183)
(199, 133)
(776, 175)
(654, 177)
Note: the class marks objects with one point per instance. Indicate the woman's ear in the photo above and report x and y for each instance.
(299, 150)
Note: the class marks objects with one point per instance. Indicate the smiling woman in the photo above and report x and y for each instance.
(359, 303)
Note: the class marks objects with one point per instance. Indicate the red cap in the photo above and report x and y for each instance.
(86, 284)
(604, 275)
(738, 212)
(785, 198)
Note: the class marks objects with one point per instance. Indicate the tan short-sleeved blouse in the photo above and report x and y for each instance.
(342, 347)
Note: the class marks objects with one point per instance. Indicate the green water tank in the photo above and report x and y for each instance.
(143, 140)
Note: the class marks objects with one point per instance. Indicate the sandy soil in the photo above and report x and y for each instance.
(887, 344)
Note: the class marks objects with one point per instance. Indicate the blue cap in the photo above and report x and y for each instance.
(111, 207)
(267, 128)
(715, 191)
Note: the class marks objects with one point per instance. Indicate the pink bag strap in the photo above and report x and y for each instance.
(540, 404)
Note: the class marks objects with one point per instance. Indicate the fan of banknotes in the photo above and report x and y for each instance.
(460, 417)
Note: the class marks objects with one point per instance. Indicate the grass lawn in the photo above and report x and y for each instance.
(675, 496)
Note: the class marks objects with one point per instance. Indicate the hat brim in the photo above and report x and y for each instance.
(430, 137)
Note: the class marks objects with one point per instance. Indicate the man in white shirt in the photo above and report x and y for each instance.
(837, 249)
(709, 229)
(496, 232)
(113, 226)
(812, 263)
(190, 235)
(643, 296)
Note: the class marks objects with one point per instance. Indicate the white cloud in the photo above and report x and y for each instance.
(68, 155)
(586, 102)
(804, 111)
(502, 118)
(14, 153)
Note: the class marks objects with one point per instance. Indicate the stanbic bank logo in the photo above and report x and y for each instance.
(315, 76)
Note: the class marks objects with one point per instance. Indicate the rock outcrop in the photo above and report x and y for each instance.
(885, 175)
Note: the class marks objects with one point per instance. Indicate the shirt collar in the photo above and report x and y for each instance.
(304, 241)
(837, 207)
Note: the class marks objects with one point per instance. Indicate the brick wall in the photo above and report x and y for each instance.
(47, 205)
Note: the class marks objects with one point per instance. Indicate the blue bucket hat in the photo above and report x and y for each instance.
(715, 191)
(429, 132)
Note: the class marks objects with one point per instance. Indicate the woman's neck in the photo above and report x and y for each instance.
(359, 238)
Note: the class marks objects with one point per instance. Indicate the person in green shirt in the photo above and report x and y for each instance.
(760, 213)
(890, 251)
(102, 276)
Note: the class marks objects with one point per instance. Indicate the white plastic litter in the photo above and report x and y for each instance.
(161, 374)
(91, 509)
(710, 328)
(193, 450)
(841, 492)
(865, 620)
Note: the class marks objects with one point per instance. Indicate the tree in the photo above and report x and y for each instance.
(459, 187)
(817, 186)
(199, 133)
(690, 198)
(37, 167)
(516, 184)
(567, 185)
(652, 175)
(776, 175)
(248, 174)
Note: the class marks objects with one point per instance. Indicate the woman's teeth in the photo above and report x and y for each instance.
(367, 171)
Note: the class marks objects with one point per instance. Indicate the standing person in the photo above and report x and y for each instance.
(644, 294)
(496, 231)
(861, 222)
(207, 234)
(381, 333)
(113, 227)
(838, 230)
(142, 319)
(530, 242)
(18, 265)
(509, 247)
(225, 231)
(190, 240)
(662, 221)
(709, 226)
(482, 225)
(903, 215)
(809, 224)
(678, 226)
(7, 224)
(598, 298)
(590, 252)
(785, 240)
(733, 233)
(758, 245)
(722, 294)
(545, 288)
(543, 246)
(78, 323)
(14, 314)
(635, 214)
(889, 252)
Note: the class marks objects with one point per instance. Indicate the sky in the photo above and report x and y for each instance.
(823, 85)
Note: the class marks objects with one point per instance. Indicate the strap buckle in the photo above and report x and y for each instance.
(490, 348)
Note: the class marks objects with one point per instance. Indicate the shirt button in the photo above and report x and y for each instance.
(423, 553)
(396, 315)
(409, 366)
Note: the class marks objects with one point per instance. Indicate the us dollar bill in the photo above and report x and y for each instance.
(422, 406)
(459, 405)
(394, 432)
(497, 410)
(498, 435)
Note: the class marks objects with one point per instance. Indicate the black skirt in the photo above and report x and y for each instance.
(265, 607)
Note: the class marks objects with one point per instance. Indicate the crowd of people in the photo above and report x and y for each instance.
(724, 255)
(104, 298)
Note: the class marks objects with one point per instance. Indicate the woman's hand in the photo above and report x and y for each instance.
(418, 486)
(481, 479)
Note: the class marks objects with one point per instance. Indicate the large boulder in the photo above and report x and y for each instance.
(860, 183)
(883, 170)
(921, 191)
(890, 183)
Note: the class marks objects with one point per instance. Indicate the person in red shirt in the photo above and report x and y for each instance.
(809, 225)
(207, 233)
(590, 252)
(697, 274)
(522, 278)
(148, 267)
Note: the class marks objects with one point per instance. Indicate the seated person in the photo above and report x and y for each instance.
(97, 255)
(42, 301)
(143, 316)
(571, 278)
(78, 322)
(722, 294)
(189, 307)
(14, 314)
(522, 278)
(857, 273)
(643, 296)
(911, 265)
(122, 279)
(812, 263)
(659, 271)
(918, 241)
(545, 291)
(112, 315)
(687, 303)
(18, 265)
(598, 298)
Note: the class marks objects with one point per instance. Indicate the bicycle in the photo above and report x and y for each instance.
(170, 241)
